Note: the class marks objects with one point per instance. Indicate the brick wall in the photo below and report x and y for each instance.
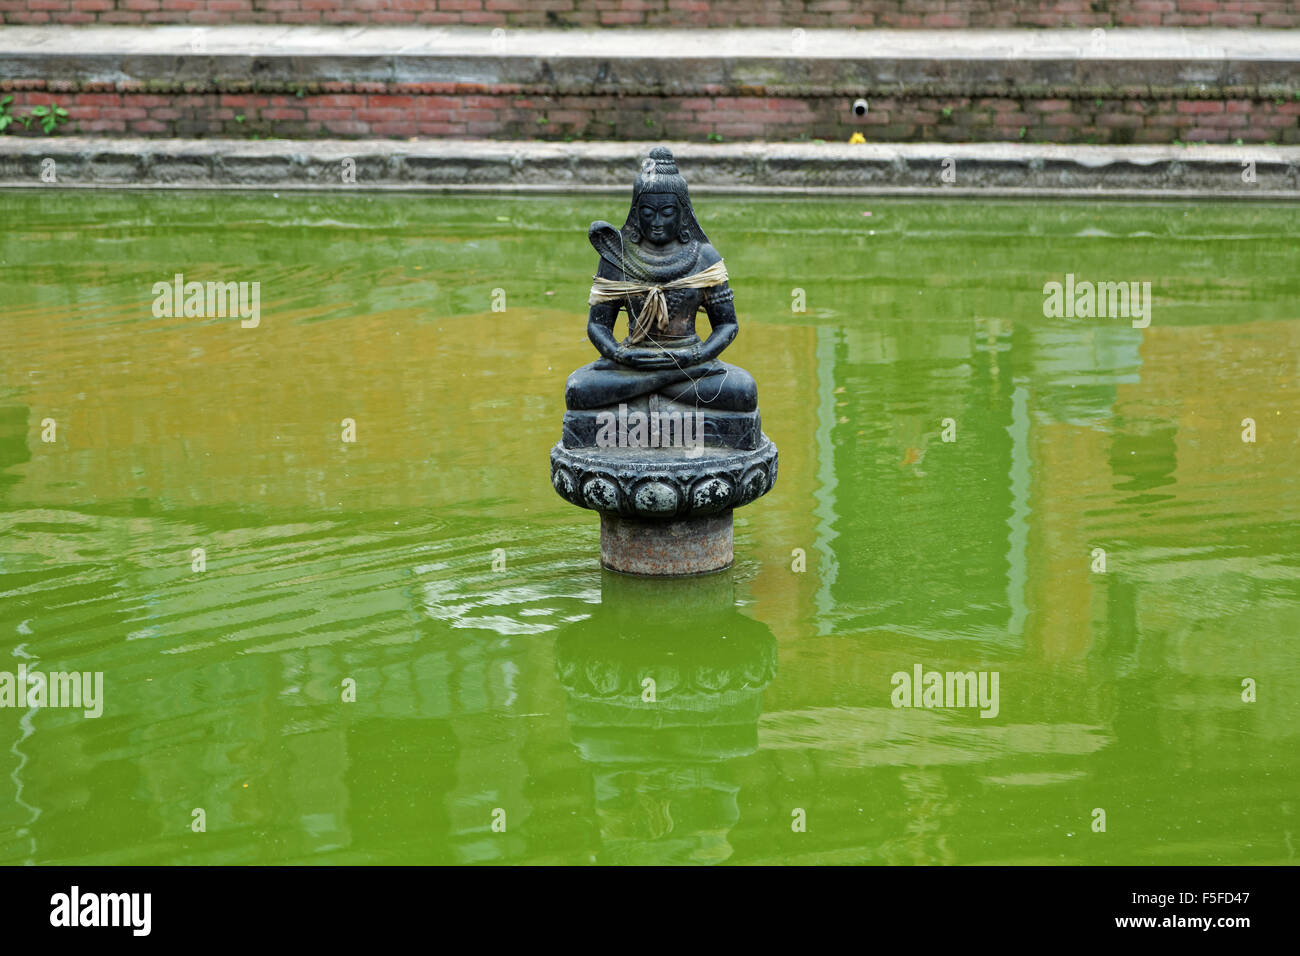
(899, 14)
(449, 110)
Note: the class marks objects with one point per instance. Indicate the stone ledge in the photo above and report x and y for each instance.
(873, 168)
(772, 62)
(297, 41)
(1120, 87)
(806, 14)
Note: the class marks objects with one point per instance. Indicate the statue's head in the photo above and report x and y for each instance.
(661, 207)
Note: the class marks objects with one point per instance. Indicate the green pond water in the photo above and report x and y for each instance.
(499, 673)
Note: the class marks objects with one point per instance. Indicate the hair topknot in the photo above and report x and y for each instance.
(664, 164)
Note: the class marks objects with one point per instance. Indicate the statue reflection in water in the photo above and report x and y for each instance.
(662, 711)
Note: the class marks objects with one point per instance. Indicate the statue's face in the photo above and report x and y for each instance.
(659, 217)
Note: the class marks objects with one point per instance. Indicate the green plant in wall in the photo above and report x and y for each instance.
(6, 118)
(50, 116)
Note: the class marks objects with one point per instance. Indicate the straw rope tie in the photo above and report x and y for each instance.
(654, 317)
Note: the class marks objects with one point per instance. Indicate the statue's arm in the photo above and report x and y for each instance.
(601, 319)
(600, 328)
(720, 307)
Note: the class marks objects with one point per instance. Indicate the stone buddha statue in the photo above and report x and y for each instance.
(661, 269)
(660, 437)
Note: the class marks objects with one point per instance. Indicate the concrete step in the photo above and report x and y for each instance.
(1152, 85)
(688, 14)
(640, 61)
(989, 169)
